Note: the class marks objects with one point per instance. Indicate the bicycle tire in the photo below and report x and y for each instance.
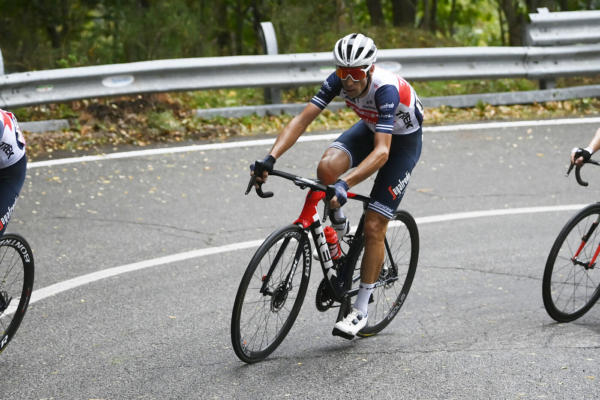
(569, 289)
(402, 238)
(252, 306)
(16, 284)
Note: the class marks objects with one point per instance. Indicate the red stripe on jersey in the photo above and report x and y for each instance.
(404, 92)
(369, 116)
(6, 120)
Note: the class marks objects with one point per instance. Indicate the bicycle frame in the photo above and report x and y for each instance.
(585, 237)
(591, 264)
(310, 220)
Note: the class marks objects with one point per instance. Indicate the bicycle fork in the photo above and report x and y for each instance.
(584, 240)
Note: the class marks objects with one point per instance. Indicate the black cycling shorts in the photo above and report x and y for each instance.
(11, 182)
(392, 178)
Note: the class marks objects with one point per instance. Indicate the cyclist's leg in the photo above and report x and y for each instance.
(388, 190)
(11, 182)
(346, 152)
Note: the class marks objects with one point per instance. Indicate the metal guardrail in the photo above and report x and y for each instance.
(289, 70)
(562, 28)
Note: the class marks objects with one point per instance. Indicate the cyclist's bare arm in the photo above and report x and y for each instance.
(290, 134)
(294, 129)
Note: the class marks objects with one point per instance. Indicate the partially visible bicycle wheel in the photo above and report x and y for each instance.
(270, 294)
(16, 284)
(397, 273)
(571, 283)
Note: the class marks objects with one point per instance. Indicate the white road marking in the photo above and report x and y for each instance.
(308, 138)
(63, 286)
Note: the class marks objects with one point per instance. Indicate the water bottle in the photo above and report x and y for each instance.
(333, 243)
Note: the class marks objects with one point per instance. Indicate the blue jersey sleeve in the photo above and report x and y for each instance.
(386, 101)
(331, 87)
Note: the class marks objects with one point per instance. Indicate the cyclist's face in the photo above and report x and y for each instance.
(354, 88)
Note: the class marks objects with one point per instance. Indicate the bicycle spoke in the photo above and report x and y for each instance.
(571, 280)
(272, 292)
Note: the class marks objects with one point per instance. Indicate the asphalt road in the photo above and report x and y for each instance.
(473, 326)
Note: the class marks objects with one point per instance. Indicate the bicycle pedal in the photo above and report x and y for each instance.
(337, 332)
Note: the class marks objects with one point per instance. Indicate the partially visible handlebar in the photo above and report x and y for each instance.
(578, 171)
(298, 181)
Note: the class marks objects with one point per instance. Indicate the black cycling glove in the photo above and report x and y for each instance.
(265, 165)
(579, 152)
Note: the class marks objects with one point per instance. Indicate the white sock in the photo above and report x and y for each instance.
(362, 299)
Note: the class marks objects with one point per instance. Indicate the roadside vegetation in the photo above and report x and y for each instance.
(37, 35)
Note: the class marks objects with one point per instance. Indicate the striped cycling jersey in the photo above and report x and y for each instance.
(12, 142)
(390, 105)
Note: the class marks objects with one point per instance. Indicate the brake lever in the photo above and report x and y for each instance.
(250, 184)
(570, 169)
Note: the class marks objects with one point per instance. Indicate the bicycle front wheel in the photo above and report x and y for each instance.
(397, 273)
(16, 284)
(571, 283)
(270, 294)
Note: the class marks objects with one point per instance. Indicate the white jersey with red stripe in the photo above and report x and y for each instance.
(12, 141)
(390, 104)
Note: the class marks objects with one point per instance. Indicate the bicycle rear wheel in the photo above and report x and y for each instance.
(571, 286)
(397, 273)
(16, 284)
(270, 294)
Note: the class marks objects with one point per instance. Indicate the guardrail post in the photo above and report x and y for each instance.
(1, 63)
(269, 41)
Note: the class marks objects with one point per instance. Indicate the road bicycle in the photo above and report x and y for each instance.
(274, 284)
(16, 284)
(571, 283)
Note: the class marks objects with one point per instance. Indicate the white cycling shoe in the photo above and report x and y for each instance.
(351, 325)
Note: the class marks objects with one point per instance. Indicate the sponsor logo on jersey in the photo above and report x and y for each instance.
(7, 149)
(387, 105)
(406, 119)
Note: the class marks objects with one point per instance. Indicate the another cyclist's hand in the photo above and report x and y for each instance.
(341, 193)
(262, 168)
(579, 156)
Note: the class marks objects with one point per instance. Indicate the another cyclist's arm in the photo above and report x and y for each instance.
(590, 149)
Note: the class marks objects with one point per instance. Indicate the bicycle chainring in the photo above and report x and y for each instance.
(324, 299)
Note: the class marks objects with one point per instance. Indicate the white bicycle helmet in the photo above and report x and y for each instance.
(355, 50)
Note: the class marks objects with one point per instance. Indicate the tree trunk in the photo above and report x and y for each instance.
(341, 12)
(376, 12)
(222, 31)
(404, 12)
(451, 19)
(514, 20)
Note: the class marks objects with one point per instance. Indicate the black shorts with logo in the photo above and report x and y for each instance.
(392, 178)
(11, 182)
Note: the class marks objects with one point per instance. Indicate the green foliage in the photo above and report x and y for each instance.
(163, 121)
(41, 34)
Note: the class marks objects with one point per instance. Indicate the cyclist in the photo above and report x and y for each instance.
(387, 139)
(13, 165)
(579, 155)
